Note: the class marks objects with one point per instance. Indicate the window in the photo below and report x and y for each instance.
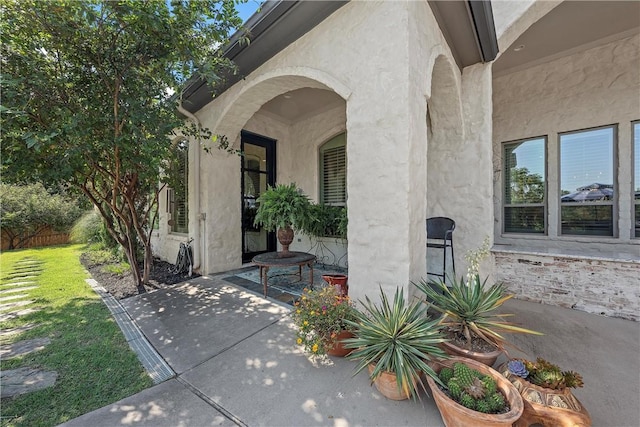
(524, 186)
(636, 177)
(333, 171)
(587, 182)
(178, 203)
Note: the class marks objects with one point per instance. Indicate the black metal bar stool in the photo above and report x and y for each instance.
(440, 236)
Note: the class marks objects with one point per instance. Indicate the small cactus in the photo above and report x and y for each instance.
(463, 373)
(468, 401)
(445, 375)
(483, 406)
(496, 402)
(454, 388)
(473, 390)
(489, 384)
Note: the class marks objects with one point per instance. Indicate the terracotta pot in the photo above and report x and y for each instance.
(455, 415)
(285, 237)
(486, 358)
(339, 281)
(547, 406)
(388, 386)
(338, 348)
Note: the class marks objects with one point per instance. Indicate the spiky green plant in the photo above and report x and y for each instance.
(470, 309)
(472, 389)
(397, 337)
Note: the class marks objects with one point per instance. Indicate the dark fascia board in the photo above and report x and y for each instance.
(468, 28)
(485, 30)
(274, 27)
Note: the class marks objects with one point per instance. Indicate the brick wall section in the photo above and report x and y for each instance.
(601, 286)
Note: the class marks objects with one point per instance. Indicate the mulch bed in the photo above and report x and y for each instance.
(122, 286)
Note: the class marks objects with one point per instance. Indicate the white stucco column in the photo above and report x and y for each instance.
(474, 185)
(378, 188)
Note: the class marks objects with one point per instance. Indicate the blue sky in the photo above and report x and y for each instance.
(245, 10)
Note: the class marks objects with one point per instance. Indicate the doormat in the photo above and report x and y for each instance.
(284, 283)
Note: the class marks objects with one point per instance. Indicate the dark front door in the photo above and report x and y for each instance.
(258, 171)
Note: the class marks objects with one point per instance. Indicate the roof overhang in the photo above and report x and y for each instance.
(274, 27)
(468, 28)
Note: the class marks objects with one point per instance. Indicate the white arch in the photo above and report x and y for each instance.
(264, 87)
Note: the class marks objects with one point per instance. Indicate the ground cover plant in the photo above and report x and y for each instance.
(94, 363)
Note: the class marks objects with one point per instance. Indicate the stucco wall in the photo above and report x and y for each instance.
(595, 87)
(379, 57)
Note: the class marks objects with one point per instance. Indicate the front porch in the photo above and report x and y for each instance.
(236, 360)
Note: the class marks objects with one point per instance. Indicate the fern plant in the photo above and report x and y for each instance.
(282, 206)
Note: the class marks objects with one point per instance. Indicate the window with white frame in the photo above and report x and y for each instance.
(333, 171)
(524, 191)
(178, 194)
(587, 182)
(636, 177)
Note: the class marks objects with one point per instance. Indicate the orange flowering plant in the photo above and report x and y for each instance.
(320, 315)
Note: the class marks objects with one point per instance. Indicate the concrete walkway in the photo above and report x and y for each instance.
(237, 364)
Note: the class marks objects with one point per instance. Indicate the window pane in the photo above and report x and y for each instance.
(586, 160)
(524, 172)
(636, 176)
(590, 219)
(333, 170)
(586, 178)
(524, 219)
(180, 205)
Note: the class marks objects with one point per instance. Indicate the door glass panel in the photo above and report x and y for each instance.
(255, 157)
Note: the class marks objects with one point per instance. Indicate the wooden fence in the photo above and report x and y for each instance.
(47, 237)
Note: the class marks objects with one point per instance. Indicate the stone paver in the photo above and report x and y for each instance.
(15, 304)
(25, 380)
(21, 348)
(9, 284)
(12, 331)
(12, 297)
(14, 314)
(20, 289)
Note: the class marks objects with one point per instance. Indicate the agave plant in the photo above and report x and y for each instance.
(397, 338)
(470, 309)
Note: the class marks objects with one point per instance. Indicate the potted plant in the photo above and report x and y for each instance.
(395, 341)
(469, 316)
(321, 317)
(282, 208)
(546, 392)
(474, 394)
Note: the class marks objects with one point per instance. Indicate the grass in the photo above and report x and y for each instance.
(94, 363)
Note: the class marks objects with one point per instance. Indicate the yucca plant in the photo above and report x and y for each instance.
(470, 308)
(397, 338)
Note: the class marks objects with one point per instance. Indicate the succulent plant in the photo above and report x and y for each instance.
(472, 389)
(548, 375)
(446, 374)
(516, 367)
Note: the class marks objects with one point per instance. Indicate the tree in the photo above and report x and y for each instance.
(89, 98)
(28, 210)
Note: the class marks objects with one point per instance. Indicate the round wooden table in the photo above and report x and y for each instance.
(269, 260)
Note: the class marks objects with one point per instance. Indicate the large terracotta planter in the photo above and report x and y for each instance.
(546, 406)
(338, 348)
(486, 358)
(388, 386)
(455, 415)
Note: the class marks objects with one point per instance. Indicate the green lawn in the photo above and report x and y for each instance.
(95, 365)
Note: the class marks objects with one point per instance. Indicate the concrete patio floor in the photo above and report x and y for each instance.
(237, 364)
